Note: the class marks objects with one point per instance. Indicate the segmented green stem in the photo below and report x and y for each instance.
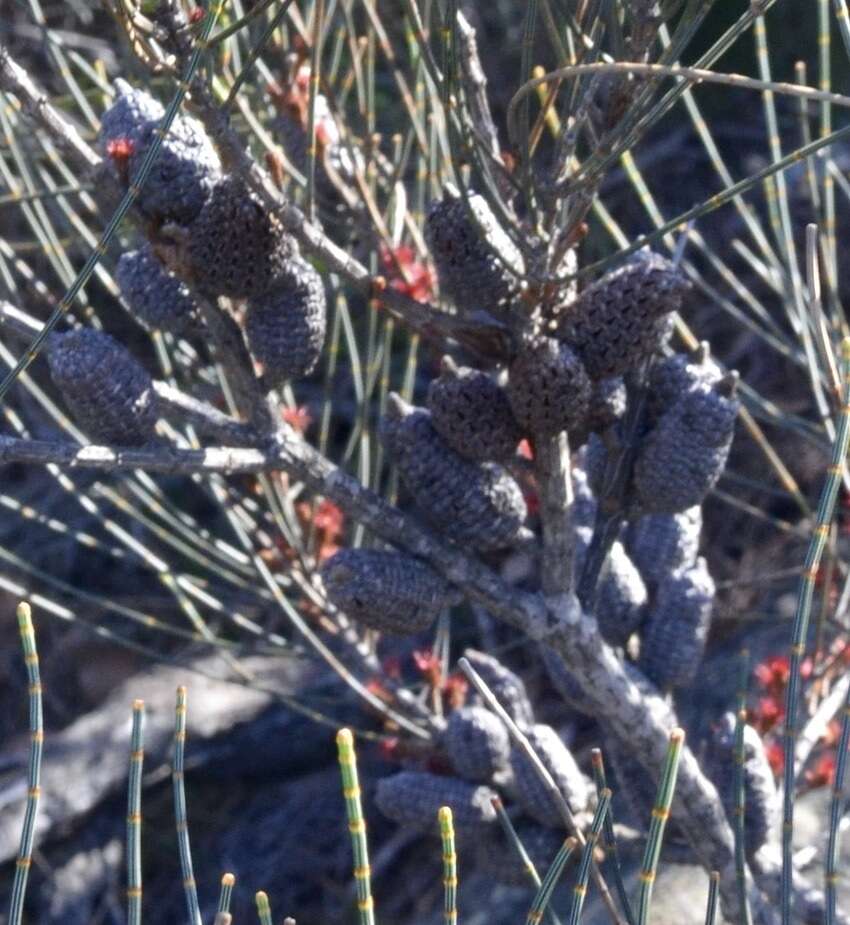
(740, 795)
(181, 820)
(836, 811)
(224, 897)
(264, 910)
(547, 887)
(519, 848)
(134, 816)
(825, 512)
(356, 826)
(711, 905)
(24, 860)
(660, 815)
(447, 837)
(580, 889)
(610, 839)
(124, 207)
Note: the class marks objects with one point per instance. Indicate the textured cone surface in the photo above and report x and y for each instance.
(285, 327)
(621, 597)
(548, 388)
(129, 117)
(385, 591)
(472, 414)
(470, 273)
(414, 798)
(183, 175)
(684, 455)
(477, 743)
(674, 376)
(497, 857)
(532, 794)
(157, 298)
(507, 686)
(761, 797)
(622, 318)
(607, 405)
(660, 544)
(186, 167)
(674, 637)
(563, 681)
(236, 248)
(475, 504)
(108, 391)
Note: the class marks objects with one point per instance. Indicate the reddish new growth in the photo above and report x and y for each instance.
(768, 717)
(453, 688)
(298, 418)
(327, 521)
(196, 15)
(406, 274)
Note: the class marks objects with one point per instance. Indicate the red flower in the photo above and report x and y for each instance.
(329, 519)
(823, 771)
(768, 712)
(428, 664)
(455, 690)
(406, 274)
(299, 418)
(389, 748)
(773, 673)
(120, 149)
(525, 449)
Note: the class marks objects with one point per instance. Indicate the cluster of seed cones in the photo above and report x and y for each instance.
(228, 245)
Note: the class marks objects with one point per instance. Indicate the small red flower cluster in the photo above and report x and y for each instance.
(768, 716)
(406, 274)
(298, 418)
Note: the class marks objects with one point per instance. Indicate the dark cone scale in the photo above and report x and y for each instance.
(386, 591)
(157, 298)
(108, 391)
(684, 455)
(660, 544)
(470, 411)
(236, 247)
(532, 793)
(676, 630)
(285, 326)
(549, 390)
(674, 376)
(413, 798)
(622, 318)
(477, 743)
(475, 504)
(473, 274)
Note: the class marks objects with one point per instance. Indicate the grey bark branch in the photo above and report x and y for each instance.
(16, 81)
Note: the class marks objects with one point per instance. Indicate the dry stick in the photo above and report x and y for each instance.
(540, 769)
